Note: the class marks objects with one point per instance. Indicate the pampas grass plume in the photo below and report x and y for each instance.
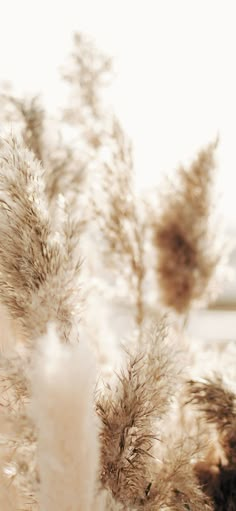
(62, 386)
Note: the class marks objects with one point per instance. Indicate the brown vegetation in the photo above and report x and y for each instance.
(74, 435)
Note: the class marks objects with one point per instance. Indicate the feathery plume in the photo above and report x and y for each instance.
(64, 163)
(129, 414)
(30, 115)
(62, 408)
(8, 495)
(119, 220)
(16, 429)
(87, 73)
(187, 255)
(176, 486)
(39, 266)
(217, 405)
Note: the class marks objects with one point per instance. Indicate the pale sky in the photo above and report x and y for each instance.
(175, 62)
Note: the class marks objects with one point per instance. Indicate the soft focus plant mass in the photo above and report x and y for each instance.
(105, 405)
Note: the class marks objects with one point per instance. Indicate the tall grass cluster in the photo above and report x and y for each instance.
(105, 404)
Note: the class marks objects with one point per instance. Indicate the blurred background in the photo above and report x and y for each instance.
(173, 89)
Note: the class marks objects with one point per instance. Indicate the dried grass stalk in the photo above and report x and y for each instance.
(16, 429)
(176, 486)
(130, 414)
(119, 219)
(87, 73)
(187, 254)
(30, 115)
(216, 404)
(39, 266)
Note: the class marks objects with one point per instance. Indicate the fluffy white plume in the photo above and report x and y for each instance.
(62, 388)
(8, 495)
